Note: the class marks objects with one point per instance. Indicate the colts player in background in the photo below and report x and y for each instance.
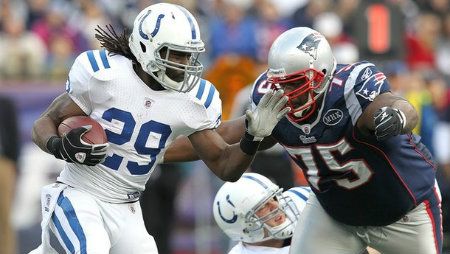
(373, 182)
(144, 90)
(258, 215)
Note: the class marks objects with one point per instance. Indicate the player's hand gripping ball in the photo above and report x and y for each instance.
(82, 140)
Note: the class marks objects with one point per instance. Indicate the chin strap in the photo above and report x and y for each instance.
(283, 231)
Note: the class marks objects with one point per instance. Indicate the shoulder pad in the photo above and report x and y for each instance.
(299, 196)
(300, 192)
(366, 80)
(204, 93)
(98, 64)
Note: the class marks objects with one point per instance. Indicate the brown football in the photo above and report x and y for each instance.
(96, 135)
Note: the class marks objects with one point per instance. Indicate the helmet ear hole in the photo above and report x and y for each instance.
(324, 71)
(143, 47)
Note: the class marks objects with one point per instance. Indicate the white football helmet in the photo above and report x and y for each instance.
(237, 202)
(301, 57)
(172, 27)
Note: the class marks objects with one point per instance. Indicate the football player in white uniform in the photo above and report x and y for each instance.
(256, 213)
(144, 90)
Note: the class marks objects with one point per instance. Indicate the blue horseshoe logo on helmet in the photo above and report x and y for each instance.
(234, 218)
(143, 35)
(155, 30)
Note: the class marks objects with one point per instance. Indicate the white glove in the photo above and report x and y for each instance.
(270, 110)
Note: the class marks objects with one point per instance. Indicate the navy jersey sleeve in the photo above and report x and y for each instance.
(370, 82)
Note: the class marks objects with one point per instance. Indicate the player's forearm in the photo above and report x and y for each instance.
(181, 150)
(44, 128)
(410, 113)
(231, 163)
(232, 130)
(388, 100)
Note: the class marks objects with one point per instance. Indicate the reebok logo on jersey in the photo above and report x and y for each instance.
(367, 73)
(332, 117)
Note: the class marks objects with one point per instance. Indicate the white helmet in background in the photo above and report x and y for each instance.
(237, 202)
(301, 57)
(173, 28)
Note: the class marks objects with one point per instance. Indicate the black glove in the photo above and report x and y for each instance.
(72, 148)
(389, 122)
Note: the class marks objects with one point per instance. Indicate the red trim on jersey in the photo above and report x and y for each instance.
(433, 224)
(437, 193)
(379, 76)
(420, 153)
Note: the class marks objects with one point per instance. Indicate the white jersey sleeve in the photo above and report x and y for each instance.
(88, 65)
(207, 112)
(242, 248)
(299, 195)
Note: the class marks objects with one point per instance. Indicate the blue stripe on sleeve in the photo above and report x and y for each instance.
(74, 223)
(218, 119)
(212, 90)
(299, 194)
(104, 59)
(201, 89)
(63, 234)
(91, 57)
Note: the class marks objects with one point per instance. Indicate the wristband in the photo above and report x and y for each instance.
(249, 145)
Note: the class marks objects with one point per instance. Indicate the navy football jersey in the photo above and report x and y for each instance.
(358, 180)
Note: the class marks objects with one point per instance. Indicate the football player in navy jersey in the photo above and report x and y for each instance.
(373, 181)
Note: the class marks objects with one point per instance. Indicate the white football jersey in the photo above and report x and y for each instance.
(140, 123)
(242, 248)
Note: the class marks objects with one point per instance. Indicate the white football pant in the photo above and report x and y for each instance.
(419, 232)
(86, 225)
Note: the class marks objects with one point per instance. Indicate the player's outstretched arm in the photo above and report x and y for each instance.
(231, 131)
(181, 148)
(387, 116)
(229, 161)
(45, 134)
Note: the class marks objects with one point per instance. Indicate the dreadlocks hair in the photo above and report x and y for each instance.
(114, 43)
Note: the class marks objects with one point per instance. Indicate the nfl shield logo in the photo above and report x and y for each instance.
(148, 102)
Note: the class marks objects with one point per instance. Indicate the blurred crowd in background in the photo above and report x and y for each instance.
(409, 40)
